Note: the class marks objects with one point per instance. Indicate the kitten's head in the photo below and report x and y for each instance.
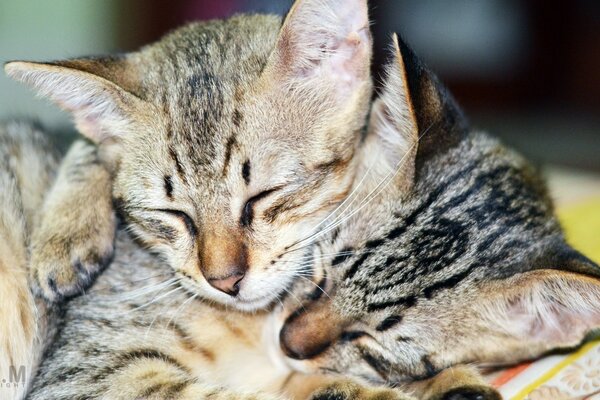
(458, 259)
(229, 140)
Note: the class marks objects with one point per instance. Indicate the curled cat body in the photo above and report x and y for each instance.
(454, 256)
(222, 144)
(446, 253)
(409, 272)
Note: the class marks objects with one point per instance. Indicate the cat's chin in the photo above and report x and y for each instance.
(243, 302)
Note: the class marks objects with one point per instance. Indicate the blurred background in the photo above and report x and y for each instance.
(526, 70)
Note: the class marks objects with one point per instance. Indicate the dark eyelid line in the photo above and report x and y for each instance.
(248, 210)
(189, 223)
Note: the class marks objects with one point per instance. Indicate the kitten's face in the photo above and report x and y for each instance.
(466, 266)
(238, 186)
(230, 140)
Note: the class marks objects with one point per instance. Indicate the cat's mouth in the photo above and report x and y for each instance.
(255, 292)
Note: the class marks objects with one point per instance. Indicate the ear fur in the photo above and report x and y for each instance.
(328, 40)
(100, 107)
(393, 123)
(556, 307)
(440, 121)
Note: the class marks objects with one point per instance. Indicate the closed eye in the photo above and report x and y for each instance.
(248, 210)
(186, 219)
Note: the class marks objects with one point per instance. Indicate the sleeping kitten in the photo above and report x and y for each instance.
(455, 258)
(137, 332)
(227, 141)
(367, 329)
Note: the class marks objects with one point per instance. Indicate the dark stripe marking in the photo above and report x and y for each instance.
(389, 322)
(178, 164)
(237, 117)
(228, 150)
(342, 256)
(168, 184)
(246, 172)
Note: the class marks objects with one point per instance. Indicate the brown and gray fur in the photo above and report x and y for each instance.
(463, 264)
(137, 333)
(446, 301)
(227, 141)
(25, 175)
(367, 326)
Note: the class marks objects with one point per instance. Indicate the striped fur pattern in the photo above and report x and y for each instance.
(26, 172)
(227, 141)
(466, 265)
(137, 333)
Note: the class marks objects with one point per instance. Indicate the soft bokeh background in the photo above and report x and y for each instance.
(527, 70)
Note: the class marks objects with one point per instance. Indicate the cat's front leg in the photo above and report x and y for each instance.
(158, 379)
(324, 387)
(457, 383)
(74, 238)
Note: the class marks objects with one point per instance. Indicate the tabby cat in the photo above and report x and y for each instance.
(446, 253)
(223, 144)
(227, 141)
(455, 257)
(138, 333)
(454, 215)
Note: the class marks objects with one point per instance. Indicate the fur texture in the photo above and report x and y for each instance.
(26, 172)
(227, 142)
(466, 265)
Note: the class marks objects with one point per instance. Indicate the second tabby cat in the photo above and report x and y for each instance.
(454, 257)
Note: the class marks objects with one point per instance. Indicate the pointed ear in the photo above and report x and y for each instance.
(551, 308)
(326, 40)
(440, 120)
(89, 89)
(393, 123)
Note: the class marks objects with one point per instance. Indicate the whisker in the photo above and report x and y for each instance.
(157, 298)
(180, 308)
(162, 310)
(319, 287)
(377, 190)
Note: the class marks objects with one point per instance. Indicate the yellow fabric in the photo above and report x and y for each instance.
(582, 227)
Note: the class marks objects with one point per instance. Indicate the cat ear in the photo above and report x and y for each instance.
(440, 121)
(327, 40)
(393, 123)
(87, 88)
(555, 307)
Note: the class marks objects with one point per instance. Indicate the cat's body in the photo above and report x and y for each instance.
(404, 274)
(463, 264)
(137, 333)
(25, 175)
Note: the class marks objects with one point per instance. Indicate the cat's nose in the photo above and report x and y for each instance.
(223, 260)
(228, 284)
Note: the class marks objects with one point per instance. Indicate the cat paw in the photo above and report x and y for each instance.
(352, 391)
(471, 393)
(63, 266)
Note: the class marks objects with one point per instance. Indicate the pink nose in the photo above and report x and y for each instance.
(230, 284)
